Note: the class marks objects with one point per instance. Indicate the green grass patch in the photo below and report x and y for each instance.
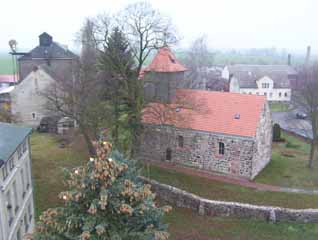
(279, 107)
(186, 225)
(48, 160)
(229, 192)
(288, 167)
(291, 145)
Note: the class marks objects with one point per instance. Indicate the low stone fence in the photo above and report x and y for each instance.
(208, 207)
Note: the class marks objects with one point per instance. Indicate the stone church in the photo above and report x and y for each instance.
(228, 133)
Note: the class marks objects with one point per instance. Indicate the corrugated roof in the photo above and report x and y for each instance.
(10, 137)
(209, 111)
(165, 61)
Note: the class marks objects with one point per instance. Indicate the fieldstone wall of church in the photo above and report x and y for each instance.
(200, 150)
(263, 143)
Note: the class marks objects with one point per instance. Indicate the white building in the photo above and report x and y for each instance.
(16, 190)
(27, 102)
(273, 81)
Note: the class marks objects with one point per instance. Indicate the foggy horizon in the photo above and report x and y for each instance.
(227, 24)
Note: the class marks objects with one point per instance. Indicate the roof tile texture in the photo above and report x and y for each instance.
(217, 112)
(165, 61)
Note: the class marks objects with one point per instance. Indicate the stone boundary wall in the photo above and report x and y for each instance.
(208, 207)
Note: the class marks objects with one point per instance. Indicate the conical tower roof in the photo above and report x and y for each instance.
(165, 61)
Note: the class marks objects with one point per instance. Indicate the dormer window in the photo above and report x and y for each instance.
(265, 85)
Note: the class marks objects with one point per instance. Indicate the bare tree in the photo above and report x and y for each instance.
(180, 113)
(197, 60)
(77, 95)
(306, 98)
(146, 29)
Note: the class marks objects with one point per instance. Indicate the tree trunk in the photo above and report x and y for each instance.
(312, 153)
(88, 140)
(313, 141)
(115, 131)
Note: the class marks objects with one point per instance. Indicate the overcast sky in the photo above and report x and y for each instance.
(290, 24)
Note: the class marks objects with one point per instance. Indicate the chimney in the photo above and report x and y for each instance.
(289, 59)
(45, 40)
(308, 56)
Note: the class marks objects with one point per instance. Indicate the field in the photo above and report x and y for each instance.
(5, 64)
(48, 161)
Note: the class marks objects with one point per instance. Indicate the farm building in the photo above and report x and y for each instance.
(38, 69)
(273, 81)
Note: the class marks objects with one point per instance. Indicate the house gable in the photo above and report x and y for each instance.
(265, 82)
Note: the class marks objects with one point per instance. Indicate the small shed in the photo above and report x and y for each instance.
(49, 124)
(64, 125)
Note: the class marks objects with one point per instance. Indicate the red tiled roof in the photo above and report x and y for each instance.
(7, 79)
(209, 111)
(165, 61)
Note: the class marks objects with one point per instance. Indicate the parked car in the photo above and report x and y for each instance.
(301, 115)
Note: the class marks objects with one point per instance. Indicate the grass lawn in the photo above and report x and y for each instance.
(288, 167)
(186, 225)
(279, 107)
(228, 192)
(48, 159)
(47, 163)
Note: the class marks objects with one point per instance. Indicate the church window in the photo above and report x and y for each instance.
(180, 141)
(221, 148)
(168, 154)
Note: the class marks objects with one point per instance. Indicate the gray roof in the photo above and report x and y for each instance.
(247, 75)
(11, 136)
(54, 51)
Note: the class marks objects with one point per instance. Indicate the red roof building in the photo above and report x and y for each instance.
(166, 62)
(223, 132)
(215, 112)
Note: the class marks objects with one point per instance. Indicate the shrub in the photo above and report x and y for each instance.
(276, 133)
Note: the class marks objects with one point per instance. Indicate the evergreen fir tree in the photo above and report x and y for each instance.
(121, 81)
(105, 200)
